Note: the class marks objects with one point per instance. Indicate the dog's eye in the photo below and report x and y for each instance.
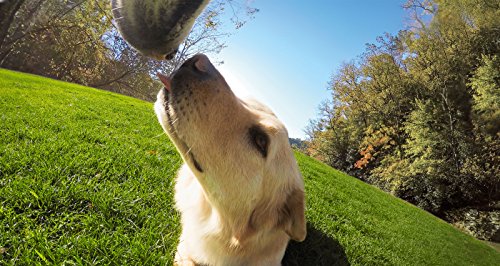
(259, 139)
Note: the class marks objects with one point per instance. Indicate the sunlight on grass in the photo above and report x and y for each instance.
(86, 176)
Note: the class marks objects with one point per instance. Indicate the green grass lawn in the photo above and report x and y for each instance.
(86, 177)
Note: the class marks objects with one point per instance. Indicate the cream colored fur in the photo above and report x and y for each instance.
(239, 204)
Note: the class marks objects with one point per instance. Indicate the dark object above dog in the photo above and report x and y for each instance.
(156, 28)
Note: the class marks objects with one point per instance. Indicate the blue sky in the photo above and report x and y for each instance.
(287, 54)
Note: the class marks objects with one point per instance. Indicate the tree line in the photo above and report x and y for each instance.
(76, 41)
(418, 113)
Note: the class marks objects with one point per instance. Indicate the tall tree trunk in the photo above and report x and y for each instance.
(8, 10)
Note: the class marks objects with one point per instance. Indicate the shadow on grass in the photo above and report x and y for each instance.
(317, 249)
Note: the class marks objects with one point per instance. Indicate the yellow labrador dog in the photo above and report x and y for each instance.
(240, 192)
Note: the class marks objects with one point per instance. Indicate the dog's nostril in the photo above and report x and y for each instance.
(202, 63)
(171, 55)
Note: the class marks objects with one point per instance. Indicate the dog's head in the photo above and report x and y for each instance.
(238, 150)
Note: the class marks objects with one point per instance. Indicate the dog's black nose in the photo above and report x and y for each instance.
(200, 62)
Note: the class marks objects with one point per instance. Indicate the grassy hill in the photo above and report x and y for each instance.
(86, 177)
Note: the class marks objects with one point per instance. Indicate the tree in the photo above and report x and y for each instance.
(76, 41)
(420, 109)
(7, 12)
(486, 94)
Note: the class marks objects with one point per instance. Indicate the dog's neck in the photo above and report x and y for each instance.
(229, 209)
(225, 203)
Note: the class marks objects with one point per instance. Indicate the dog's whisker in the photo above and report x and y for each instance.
(163, 133)
(174, 121)
(189, 150)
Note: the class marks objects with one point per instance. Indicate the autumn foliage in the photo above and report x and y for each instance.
(418, 113)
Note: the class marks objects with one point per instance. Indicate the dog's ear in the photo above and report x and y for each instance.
(292, 215)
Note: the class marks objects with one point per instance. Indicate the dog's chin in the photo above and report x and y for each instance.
(163, 106)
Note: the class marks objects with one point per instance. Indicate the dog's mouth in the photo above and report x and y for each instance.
(182, 146)
(182, 91)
